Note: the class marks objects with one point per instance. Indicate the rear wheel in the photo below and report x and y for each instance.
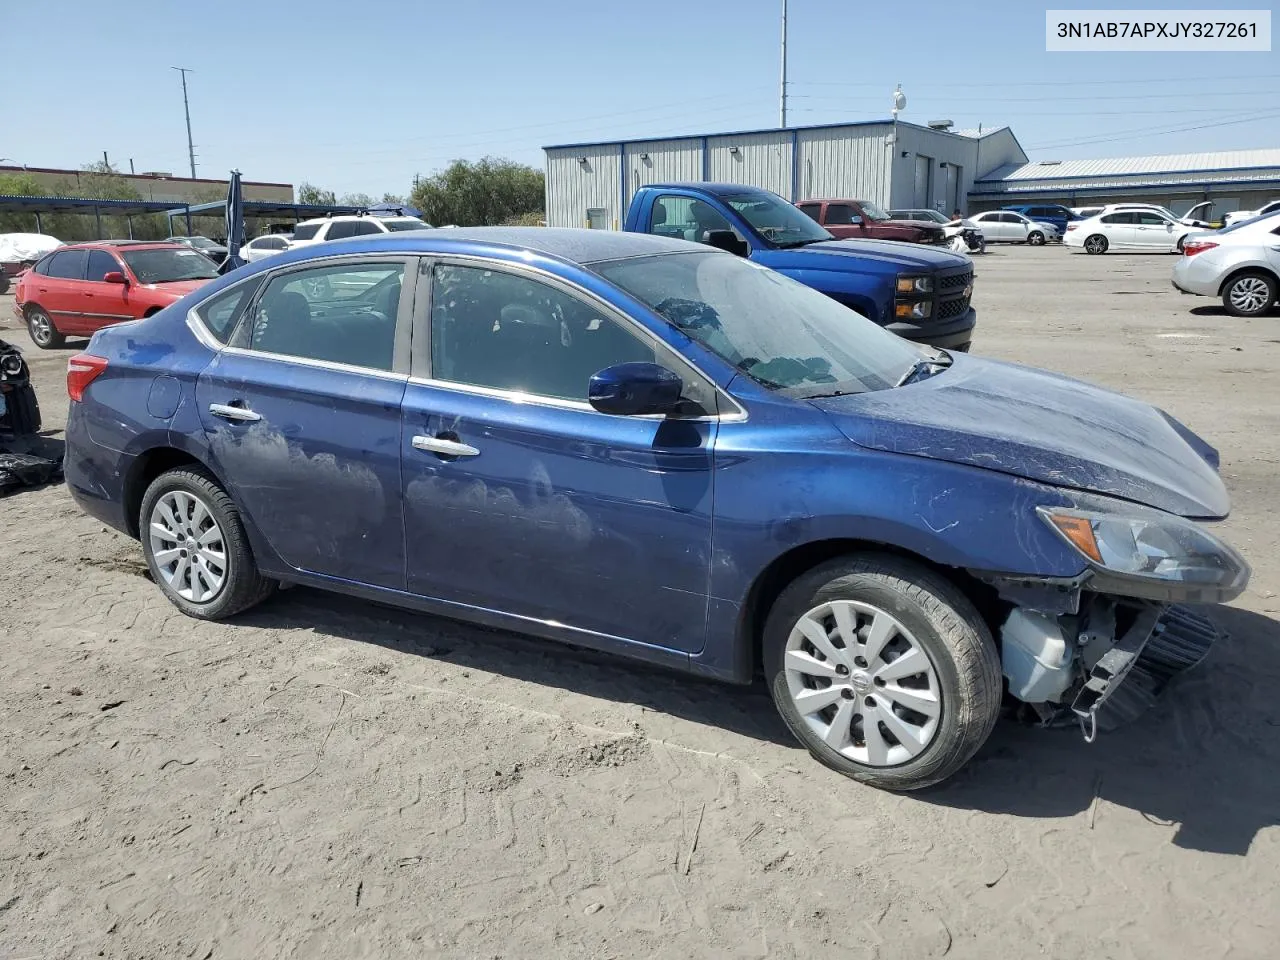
(196, 547)
(43, 333)
(883, 670)
(1095, 244)
(1035, 238)
(1249, 294)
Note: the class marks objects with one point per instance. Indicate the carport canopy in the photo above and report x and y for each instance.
(82, 205)
(264, 209)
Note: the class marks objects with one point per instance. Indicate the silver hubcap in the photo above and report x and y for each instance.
(1250, 294)
(187, 546)
(41, 328)
(862, 683)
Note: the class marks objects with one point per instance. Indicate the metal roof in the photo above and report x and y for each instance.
(84, 205)
(743, 133)
(1235, 162)
(974, 133)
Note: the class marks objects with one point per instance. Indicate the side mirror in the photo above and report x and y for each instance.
(634, 389)
(115, 276)
(726, 240)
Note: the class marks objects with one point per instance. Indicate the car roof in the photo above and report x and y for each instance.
(574, 245)
(715, 189)
(358, 216)
(140, 244)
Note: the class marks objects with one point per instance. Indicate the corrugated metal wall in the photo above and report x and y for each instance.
(761, 160)
(663, 161)
(914, 188)
(574, 187)
(848, 162)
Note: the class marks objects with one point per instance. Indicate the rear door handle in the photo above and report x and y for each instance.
(449, 448)
(229, 412)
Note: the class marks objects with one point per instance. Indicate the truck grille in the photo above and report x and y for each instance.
(955, 280)
(952, 308)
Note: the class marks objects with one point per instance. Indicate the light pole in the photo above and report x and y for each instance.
(782, 86)
(186, 107)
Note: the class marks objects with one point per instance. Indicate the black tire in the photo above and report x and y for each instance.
(4, 283)
(44, 333)
(243, 586)
(1261, 285)
(944, 624)
(1181, 241)
(23, 410)
(1035, 238)
(1096, 244)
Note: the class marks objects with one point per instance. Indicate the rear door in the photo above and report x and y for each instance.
(59, 291)
(302, 412)
(520, 498)
(1119, 229)
(104, 303)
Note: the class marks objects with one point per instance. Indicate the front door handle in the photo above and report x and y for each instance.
(445, 446)
(228, 412)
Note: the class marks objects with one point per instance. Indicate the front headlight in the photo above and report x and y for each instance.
(1152, 546)
(915, 284)
(919, 310)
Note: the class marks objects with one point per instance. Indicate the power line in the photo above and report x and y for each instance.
(1198, 80)
(1094, 99)
(1156, 131)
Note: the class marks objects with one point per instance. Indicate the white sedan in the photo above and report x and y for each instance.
(1128, 230)
(1005, 226)
(265, 246)
(1240, 264)
(1237, 216)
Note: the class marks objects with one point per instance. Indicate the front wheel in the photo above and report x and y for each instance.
(1096, 244)
(883, 670)
(1249, 295)
(196, 548)
(43, 333)
(1035, 238)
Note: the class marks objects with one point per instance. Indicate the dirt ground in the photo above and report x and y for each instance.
(327, 778)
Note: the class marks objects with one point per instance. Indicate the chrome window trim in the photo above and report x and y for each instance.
(319, 364)
(196, 324)
(734, 414)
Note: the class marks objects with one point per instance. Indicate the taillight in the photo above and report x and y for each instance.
(1193, 247)
(1071, 226)
(82, 370)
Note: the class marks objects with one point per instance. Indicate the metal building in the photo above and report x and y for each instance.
(1233, 180)
(893, 164)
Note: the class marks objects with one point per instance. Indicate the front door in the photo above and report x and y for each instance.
(522, 499)
(104, 303)
(1154, 232)
(302, 413)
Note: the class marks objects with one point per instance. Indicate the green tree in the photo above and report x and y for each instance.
(356, 200)
(310, 193)
(479, 193)
(19, 185)
(393, 198)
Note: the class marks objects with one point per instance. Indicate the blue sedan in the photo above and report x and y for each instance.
(650, 447)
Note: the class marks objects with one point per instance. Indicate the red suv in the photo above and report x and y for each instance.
(81, 288)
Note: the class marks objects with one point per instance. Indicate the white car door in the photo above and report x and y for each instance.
(1118, 229)
(1016, 227)
(1151, 231)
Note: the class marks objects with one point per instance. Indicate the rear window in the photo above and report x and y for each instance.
(306, 231)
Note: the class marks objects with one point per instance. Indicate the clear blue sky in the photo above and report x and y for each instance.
(359, 95)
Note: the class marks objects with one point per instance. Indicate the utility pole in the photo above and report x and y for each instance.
(131, 166)
(106, 164)
(782, 86)
(186, 107)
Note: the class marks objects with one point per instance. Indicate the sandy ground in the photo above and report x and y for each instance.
(327, 778)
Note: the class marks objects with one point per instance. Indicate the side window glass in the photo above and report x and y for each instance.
(363, 227)
(1152, 219)
(341, 314)
(670, 216)
(100, 264)
(506, 332)
(811, 210)
(67, 265)
(341, 230)
(839, 213)
(219, 314)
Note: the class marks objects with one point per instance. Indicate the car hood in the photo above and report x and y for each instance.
(178, 289)
(1041, 426)
(844, 255)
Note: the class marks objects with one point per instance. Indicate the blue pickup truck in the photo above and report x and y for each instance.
(920, 293)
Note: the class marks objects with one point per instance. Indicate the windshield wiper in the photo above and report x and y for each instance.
(790, 245)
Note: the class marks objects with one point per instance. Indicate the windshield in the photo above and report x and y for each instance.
(776, 220)
(780, 333)
(204, 243)
(933, 215)
(872, 211)
(411, 223)
(169, 266)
